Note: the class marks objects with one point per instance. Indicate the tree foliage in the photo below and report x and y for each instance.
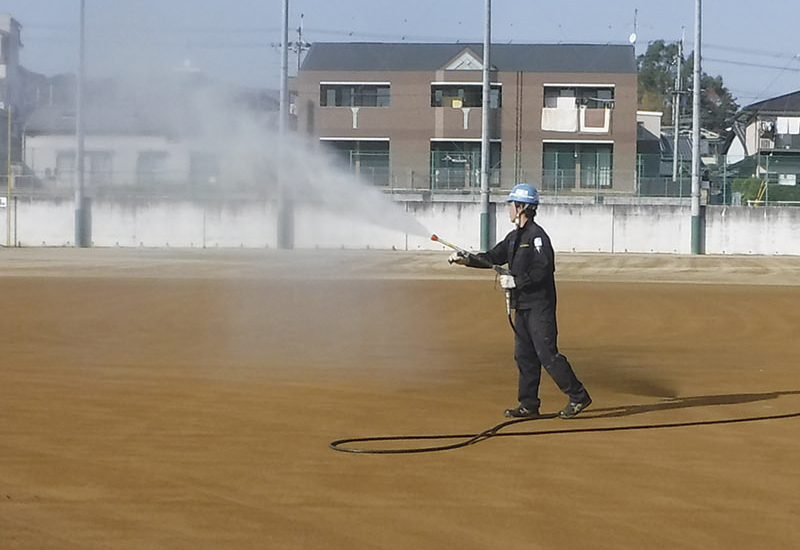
(657, 84)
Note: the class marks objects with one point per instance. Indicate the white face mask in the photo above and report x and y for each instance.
(514, 213)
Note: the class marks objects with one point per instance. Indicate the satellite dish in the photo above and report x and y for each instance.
(632, 38)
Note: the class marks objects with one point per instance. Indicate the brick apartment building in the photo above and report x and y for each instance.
(408, 116)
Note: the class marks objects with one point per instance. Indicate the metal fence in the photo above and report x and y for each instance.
(373, 167)
(447, 174)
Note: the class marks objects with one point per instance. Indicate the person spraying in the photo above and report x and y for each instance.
(530, 281)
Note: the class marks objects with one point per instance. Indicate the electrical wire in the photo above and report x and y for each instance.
(471, 439)
(785, 68)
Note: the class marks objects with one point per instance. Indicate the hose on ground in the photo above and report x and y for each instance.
(471, 439)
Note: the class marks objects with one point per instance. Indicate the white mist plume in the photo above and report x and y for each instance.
(311, 175)
(255, 155)
(235, 129)
(230, 125)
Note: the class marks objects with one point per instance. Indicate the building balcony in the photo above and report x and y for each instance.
(578, 119)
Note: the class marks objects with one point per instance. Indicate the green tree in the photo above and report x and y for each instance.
(717, 105)
(657, 69)
(657, 77)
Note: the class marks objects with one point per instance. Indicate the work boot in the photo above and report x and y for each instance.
(572, 409)
(522, 412)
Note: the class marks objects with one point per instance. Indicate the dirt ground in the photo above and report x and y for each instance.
(168, 399)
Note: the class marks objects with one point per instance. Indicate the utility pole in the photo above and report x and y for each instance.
(301, 45)
(485, 143)
(285, 228)
(698, 229)
(82, 228)
(283, 115)
(8, 177)
(676, 111)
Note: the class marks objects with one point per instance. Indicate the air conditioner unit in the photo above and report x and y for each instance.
(765, 144)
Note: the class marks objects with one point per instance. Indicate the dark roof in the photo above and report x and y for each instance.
(787, 103)
(111, 119)
(643, 134)
(684, 145)
(534, 58)
(646, 141)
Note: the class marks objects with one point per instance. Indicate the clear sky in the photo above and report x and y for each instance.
(754, 47)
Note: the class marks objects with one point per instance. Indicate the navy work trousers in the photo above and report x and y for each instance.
(535, 347)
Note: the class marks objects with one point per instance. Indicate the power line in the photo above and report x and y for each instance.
(755, 65)
(762, 53)
(369, 35)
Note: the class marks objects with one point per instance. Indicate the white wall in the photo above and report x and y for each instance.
(754, 230)
(616, 228)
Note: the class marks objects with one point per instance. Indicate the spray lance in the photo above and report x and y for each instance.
(478, 262)
(458, 249)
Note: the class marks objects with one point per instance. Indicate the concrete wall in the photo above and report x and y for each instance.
(614, 228)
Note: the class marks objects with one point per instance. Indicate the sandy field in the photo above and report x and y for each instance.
(186, 399)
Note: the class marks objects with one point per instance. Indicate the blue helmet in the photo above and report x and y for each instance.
(524, 193)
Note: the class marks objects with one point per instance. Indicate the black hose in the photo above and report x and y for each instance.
(471, 439)
(513, 326)
(503, 271)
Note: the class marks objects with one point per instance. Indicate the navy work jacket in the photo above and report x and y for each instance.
(530, 258)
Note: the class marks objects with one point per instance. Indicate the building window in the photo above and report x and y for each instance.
(464, 95)
(354, 95)
(151, 167)
(600, 97)
(457, 164)
(369, 160)
(4, 49)
(787, 133)
(97, 168)
(65, 168)
(574, 108)
(577, 165)
(595, 166)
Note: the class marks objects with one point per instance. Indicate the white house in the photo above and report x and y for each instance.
(171, 135)
(764, 141)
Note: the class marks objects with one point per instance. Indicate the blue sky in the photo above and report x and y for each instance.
(754, 50)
